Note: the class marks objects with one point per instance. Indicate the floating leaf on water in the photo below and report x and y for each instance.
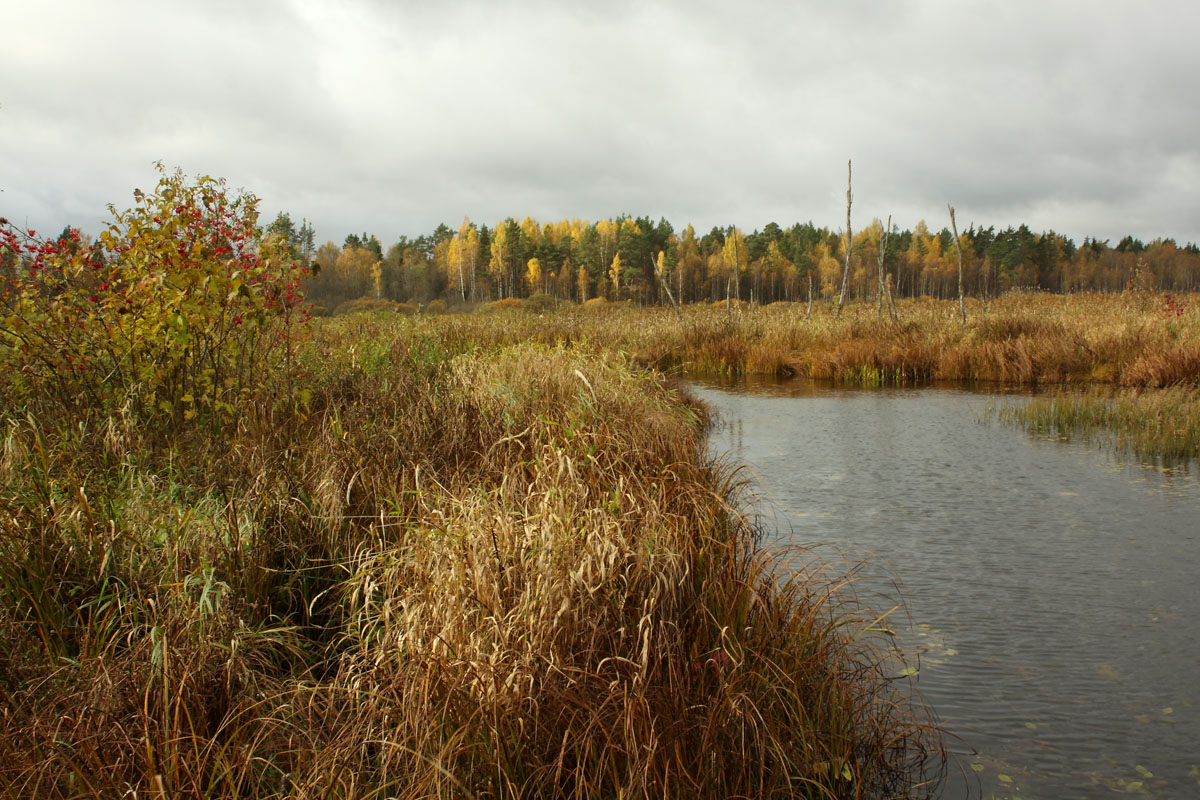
(1031, 725)
(1168, 710)
(1143, 718)
(979, 767)
(1145, 773)
(1107, 671)
(951, 652)
(1004, 778)
(904, 673)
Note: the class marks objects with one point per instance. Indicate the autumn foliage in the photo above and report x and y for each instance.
(170, 314)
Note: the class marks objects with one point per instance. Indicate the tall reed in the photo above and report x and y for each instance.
(1163, 423)
(485, 558)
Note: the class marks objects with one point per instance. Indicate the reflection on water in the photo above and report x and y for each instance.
(1052, 588)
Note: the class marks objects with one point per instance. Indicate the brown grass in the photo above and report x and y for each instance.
(1026, 339)
(472, 567)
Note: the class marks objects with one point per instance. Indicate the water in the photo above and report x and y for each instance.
(1052, 587)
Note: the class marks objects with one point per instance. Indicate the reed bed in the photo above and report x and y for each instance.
(1132, 342)
(1150, 423)
(1129, 340)
(487, 558)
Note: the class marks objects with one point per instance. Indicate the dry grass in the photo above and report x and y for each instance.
(1019, 339)
(491, 559)
(1027, 339)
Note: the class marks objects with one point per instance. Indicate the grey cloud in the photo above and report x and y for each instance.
(392, 117)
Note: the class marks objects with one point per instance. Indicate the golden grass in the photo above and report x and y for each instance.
(1129, 341)
(1026, 339)
(491, 559)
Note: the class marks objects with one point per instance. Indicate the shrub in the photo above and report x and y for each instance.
(173, 313)
(501, 305)
(373, 304)
(731, 303)
(437, 306)
(539, 303)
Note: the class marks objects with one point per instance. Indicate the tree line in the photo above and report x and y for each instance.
(628, 258)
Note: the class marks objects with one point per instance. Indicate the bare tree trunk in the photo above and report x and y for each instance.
(808, 313)
(737, 273)
(662, 279)
(883, 245)
(962, 308)
(846, 265)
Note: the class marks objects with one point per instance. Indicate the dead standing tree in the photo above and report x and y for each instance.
(660, 270)
(962, 307)
(849, 240)
(883, 245)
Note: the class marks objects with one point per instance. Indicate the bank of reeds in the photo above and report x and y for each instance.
(468, 567)
(1019, 339)
(1151, 423)
(1130, 342)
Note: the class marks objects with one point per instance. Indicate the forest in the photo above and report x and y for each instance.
(622, 258)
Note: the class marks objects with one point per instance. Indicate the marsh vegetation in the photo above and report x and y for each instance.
(245, 554)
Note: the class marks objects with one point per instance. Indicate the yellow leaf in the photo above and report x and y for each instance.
(1004, 778)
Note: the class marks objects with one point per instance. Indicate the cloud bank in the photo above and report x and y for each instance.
(392, 117)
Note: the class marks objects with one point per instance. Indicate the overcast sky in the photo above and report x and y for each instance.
(391, 117)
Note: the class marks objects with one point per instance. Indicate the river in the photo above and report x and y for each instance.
(1052, 587)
